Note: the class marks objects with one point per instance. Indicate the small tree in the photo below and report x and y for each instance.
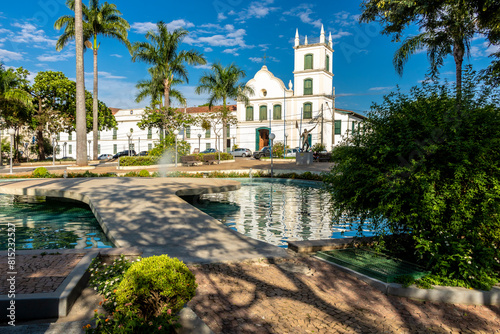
(427, 170)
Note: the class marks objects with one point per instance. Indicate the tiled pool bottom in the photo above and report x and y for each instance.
(277, 211)
(45, 223)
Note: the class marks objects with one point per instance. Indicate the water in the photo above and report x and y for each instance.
(49, 224)
(277, 211)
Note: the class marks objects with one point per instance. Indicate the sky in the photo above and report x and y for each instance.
(225, 31)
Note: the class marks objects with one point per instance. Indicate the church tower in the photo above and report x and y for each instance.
(313, 67)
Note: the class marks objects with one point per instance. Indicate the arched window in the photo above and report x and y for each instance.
(307, 111)
(327, 63)
(263, 113)
(308, 87)
(277, 111)
(249, 113)
(308, 62)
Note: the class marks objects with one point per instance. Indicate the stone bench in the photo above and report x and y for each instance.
(189, 160)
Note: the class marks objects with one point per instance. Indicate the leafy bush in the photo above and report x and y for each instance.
(168, 145)
(318, 147)
(41, 172)
(156, 286)
(223, 156)
(428, 165)
(144, 173)
(138, 161)
(278, 149)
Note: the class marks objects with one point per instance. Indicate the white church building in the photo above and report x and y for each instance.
(307, 103)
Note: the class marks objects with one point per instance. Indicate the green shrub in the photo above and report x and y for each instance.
(428, 164)
(156, 286)
(41, 172)
(223, 156)
(144, 173)
(318, 147)
(138, 161)
(131, 174)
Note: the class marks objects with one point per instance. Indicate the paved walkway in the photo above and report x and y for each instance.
(146, 213)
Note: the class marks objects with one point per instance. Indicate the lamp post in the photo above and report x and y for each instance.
(284, 145)
(199, 140)
(129, 134)
(54, 151)
(271, 138)
(89, 141)
(176, 132)
(11, 133)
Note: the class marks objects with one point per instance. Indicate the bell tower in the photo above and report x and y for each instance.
(313, 68)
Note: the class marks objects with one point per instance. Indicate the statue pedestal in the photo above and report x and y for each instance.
(304, 158)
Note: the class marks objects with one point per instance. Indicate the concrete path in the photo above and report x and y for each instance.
(147, 213)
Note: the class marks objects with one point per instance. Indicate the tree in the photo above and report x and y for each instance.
(217, 120)
(447, 29)
(159, 119)
(167, 61)
(424, 169)
(154, 88)
(222, 84)
(98, 19)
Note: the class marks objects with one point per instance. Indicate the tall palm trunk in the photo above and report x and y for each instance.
(81, 126)
(95, 105)
(458, 55)
(166, 92)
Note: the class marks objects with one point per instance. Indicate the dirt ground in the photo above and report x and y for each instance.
(306, 295)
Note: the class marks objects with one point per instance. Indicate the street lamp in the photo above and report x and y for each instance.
(54, 151)
(129, 134)
(11, 133)
(199, 140)
(271, 138)
(284, 145)
(176, 132)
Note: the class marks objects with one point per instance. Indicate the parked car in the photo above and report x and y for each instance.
(291, 152)
(210, 150)
(241, 152)
(143, 153)
(264, 152)
(124, 154)
(105, 156)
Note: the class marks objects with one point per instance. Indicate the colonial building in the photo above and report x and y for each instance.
(286, 111)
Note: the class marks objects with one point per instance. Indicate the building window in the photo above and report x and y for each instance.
(207, 133)
(70, 149)
(150, 133)
(207, 146)
(228, 130)
(263, 113)
(338, 127)
(308, 87)
(150, 146)
(249, 113)
(327, 63)
(307, 110)
(277, 111)
(131, 112)
(70, 136)
(115, 133)
(188, 132)
(115, 148)
(308, 62)
(98, 148)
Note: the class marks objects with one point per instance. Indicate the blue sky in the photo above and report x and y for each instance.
(225, 31)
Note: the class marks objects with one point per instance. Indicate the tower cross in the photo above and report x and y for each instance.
(264, 58)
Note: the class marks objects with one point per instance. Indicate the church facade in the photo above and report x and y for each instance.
(306, 104)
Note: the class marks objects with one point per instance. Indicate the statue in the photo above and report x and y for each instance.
(304, 137)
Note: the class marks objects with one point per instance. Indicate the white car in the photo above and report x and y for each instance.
(241, 152)
(105, 156)
(291, 152)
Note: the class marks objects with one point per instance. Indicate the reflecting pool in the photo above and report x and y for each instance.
(277, 211)
(49, 223)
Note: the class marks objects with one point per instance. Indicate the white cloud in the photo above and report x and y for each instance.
(256, 9)
(29, 34)
(208, 49)
(345, 19)
(381, 88)
(304, 12)
(116, 55)
(55, 56)
(6, 55)
(104, 75)
(340, 34)
(144, 27)
(207, 66)
(221, 16)
(261, 59)
(235, 38)
(234, 51)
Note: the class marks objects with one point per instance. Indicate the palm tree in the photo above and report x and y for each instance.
(99, 19)
(222, 84)
(154, 88)
(168, 62)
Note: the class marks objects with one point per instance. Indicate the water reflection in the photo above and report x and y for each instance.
(276, 212)
(49, 224)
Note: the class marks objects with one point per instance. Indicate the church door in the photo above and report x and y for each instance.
(262, 138)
